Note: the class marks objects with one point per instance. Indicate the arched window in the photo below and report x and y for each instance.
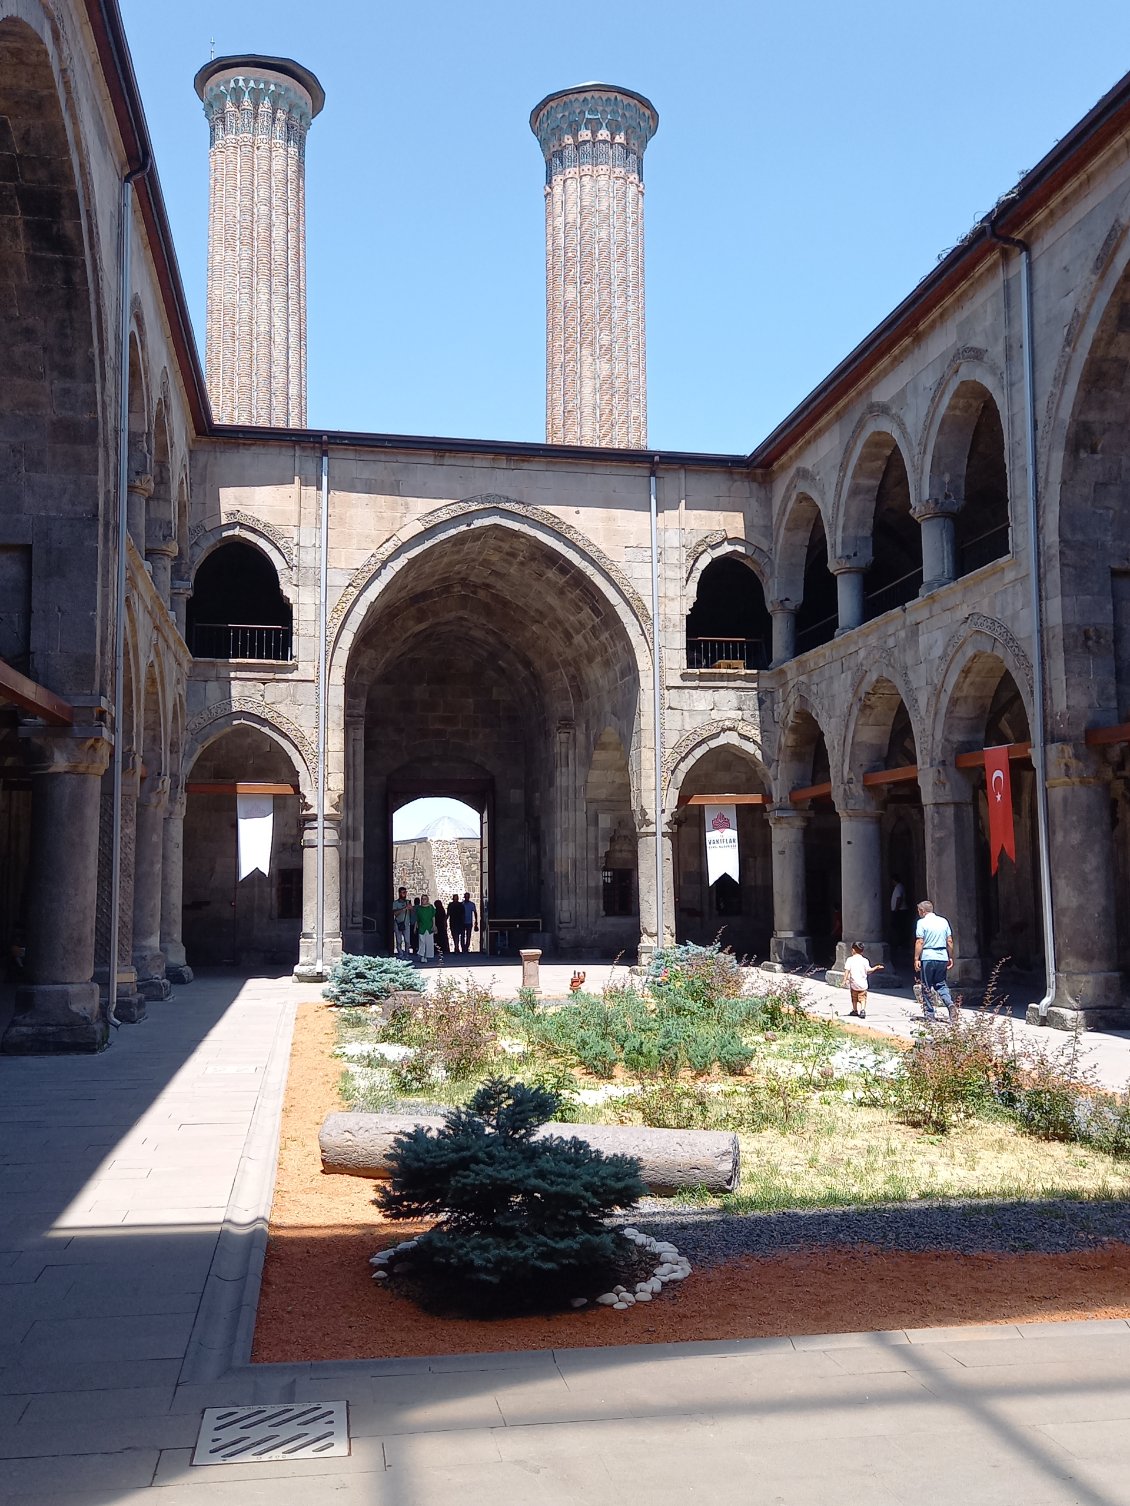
(729, 626)
(237, 610)
(816, 617)
(896, 543)
(981, 525)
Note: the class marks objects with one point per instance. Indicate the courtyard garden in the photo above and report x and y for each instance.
(871, 1172)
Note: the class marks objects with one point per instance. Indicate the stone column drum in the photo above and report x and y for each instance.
(148, 959)
(861, 872)
(593, 139)
(259, 110)
(790, 946)
(57, 1005)
(308, 970)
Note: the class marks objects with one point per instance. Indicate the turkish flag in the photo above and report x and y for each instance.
(998, 785)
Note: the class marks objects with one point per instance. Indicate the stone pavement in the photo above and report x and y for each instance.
(134, 1189)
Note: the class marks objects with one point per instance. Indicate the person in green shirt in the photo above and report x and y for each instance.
(426, 927)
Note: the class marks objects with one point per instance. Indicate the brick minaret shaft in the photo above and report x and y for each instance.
(259, 110)
(594, 138)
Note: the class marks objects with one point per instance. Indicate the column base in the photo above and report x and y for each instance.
(788, 953)
(181, 974)
(1060, 1018)
(52, 1018)
(131, 1008)
(309, 972)
(155, 989)
(876, 952)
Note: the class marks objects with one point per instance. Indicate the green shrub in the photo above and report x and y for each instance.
(953, 1071)
(454, 1029)
(358, 982)
(694, 978)
(519, 1219)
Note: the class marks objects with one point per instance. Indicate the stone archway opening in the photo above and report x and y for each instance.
(885, 762)
(729, 626)
(491, 663)
(255, 923)
(1003, 910)
(737, 913)
(808, 914)
(439, 842)
(237, 609)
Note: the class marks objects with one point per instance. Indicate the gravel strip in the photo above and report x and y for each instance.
(708, 1237)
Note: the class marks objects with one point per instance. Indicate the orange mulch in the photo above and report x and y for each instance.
(319, 1302)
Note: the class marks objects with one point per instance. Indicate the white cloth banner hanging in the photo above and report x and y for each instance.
(721, 842)
(255, 816)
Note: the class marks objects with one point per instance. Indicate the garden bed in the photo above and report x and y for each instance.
(1047, 1239)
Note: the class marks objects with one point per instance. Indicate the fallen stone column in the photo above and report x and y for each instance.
(671, 1160)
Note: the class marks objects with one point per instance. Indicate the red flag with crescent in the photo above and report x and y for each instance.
(998, 786)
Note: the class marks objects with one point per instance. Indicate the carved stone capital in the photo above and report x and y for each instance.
(850, 564)
(1073, 763)
(787, 817)
(783, 605)
(142, 485)
(947, 506)
(942, 784)
(75, 750)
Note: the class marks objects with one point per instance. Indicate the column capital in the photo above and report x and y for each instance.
(851, 809)
(783, 605)
(787, 817)
(1074, 763)
(141, 485)
(942, 784)
(153, 794)
(850, 564)
(946, 506)
(76, 750)
(164, 549)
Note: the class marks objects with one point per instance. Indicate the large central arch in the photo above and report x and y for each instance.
(492, 659)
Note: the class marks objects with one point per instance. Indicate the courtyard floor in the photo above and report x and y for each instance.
(135, 1187)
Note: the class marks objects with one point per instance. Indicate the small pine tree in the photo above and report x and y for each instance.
(519, 1218)
(356, 982)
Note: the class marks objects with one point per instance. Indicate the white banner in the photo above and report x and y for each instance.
(721, 842)
(255, 817)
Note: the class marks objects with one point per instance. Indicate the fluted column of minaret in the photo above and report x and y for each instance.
(259, 110)
(593, 139)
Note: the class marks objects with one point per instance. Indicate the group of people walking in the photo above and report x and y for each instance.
(429, 929)
(933, 959)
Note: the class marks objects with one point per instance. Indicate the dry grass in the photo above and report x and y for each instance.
(844, 1153)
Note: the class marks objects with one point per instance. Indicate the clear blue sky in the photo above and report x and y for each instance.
(812, 162)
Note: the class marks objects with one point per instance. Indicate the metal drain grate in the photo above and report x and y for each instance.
(253, 1435)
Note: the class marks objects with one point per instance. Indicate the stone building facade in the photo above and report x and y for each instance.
(847, 615)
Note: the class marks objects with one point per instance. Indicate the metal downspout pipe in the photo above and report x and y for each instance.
(323, 583)
(124, 289)
(1039, 729)
(657, 710)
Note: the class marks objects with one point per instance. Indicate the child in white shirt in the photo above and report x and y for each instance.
(856, 971)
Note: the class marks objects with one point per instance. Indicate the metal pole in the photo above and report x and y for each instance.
(657, 711)
(1039, 728)
(323, 582)
(124, 283)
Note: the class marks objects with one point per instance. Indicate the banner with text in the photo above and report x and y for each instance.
(721, 842)
(998, 786)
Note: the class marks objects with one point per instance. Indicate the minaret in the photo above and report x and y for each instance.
(594, 138)
(259, 110)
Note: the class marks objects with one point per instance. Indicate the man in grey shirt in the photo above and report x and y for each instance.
(933, 958)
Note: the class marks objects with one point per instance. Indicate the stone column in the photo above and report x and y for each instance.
(1088, 985)
(308, 970)
(645, 877)
(179, 592)
(57, 1006)
(565, 833)
(177, 969)
(783, 614)
(861, 876)
(148, 959)
(791, 946)
(949, 819)
(130, 1004)
(939, 547)
(159, 557)
(139, 489)
(849, 592)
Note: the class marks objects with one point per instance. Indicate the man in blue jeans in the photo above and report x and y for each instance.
(933, 958)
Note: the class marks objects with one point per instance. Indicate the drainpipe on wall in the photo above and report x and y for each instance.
(124, 289)
(323, 582)
(1039, 733)
(657, 709)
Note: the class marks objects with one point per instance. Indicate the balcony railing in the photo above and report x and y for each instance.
(240, 640)
(895, 593)
(726, 653)
(816, 633)
(988, 546)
